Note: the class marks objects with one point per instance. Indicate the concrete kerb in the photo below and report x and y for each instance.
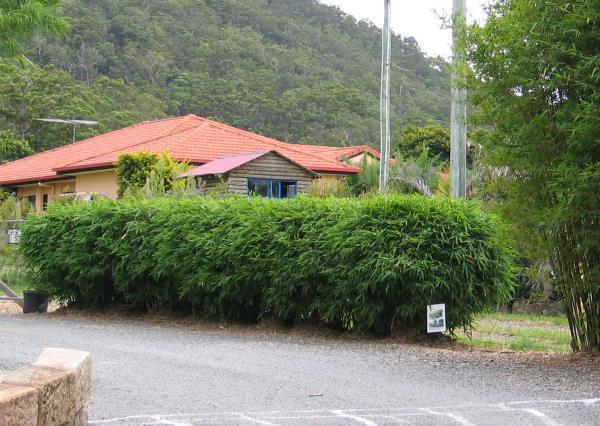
(54, 390)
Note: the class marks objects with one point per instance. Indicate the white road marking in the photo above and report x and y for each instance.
(362, 420)
(254, 420)
(363, 416)
(544, 418)
(457, 418)
(589, 401)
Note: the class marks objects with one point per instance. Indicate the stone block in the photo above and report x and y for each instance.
(72, 361)
(81, 418)
(18, 405)
(55, 391)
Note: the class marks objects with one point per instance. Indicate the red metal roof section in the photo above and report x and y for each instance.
(224, 164)
(189, 138)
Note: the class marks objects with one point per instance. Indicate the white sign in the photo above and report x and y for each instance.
(436, 318)
(14, 236)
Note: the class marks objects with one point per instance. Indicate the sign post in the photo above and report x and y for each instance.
(13, 236)
(436, 318)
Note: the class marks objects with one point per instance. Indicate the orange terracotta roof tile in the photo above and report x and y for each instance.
(337, 153)
(189, 138)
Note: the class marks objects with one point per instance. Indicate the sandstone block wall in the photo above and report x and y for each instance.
(53, 391)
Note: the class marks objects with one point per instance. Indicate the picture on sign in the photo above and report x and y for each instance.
(436, 318)
(14, 236)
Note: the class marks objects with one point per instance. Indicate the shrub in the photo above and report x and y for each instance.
(133, 170)
(369, 264)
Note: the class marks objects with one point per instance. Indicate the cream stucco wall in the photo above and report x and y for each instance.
(53, 190)
(101, 182)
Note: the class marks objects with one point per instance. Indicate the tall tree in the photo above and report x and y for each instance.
(21, 19)
(264, 66)
(414, 140)
(30, 92)
(538, 85)
(11, 147)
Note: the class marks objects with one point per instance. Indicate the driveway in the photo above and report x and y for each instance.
(165, 373)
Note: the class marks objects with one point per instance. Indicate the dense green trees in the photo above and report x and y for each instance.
(413, 141)
(29, 92)
(538, 83)
(21, 19)
(296, 70)
(11, 147)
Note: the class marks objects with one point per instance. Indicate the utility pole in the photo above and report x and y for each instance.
(458, 119)
(384, 107)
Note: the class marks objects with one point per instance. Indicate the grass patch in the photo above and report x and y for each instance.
(12, 269)
(519, 332)
(520, 317)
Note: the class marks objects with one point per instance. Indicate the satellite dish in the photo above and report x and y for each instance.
(74, 123)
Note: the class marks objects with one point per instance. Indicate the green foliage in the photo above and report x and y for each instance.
(367, 181)
(537, 86)
(162, 178)
(28, 93)
(414, 141)
(11, 147)
(366, 264)
(296, 70)
(151, 175)
(12, 266)
(421, 174)
(133, 170)
(323, 188)
(20, 20)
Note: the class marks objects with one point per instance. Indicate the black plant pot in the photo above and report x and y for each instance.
(34, 302)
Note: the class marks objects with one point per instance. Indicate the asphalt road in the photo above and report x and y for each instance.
(165, 374)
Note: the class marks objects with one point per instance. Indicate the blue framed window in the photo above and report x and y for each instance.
(272, 188)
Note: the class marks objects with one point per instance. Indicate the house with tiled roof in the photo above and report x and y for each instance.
(252, 162)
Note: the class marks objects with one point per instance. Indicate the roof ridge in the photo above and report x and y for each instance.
(85, 140)
(262, 151)
(162, 135)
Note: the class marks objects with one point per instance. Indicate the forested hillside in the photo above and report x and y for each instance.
(295, 70)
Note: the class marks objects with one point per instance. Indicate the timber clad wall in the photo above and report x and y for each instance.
(269, 166)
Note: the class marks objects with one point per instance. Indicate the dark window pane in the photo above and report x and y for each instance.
(258, 187)
(31, 200)
(273, 188)
(288, 189)
(45, 201)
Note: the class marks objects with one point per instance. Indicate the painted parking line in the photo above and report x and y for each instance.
(535, 412)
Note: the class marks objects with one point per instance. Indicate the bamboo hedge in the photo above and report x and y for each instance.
(369, 264)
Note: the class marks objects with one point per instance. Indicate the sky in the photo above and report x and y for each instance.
(420, 19)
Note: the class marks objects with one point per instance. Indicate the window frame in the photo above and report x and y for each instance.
(273, 184)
